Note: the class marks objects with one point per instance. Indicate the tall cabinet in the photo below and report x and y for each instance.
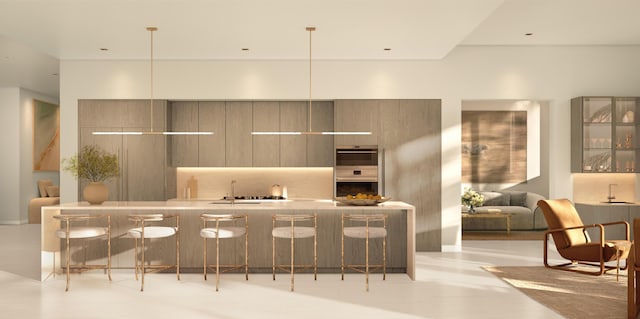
(140, 157)
(604, 134)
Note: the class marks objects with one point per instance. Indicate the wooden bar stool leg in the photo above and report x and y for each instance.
(204, 253)
(68, 255)
(246, 247)
(342, 247)
(292, 253)
(273, 252)
(366, 254)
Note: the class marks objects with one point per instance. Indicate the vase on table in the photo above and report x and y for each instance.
(95, 193)
(472, 210)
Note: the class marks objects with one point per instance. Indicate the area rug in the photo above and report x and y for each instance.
(570, 294)
(502, 235)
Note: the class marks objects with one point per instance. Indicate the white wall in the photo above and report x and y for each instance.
(29, 177)
(554, 74)
(18, 178)
(10, 144)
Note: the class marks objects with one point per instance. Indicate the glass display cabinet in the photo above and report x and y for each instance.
(603, 134)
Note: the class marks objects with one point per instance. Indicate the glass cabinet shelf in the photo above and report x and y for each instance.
(603, 131)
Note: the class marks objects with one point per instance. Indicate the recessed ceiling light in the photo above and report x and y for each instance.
(528, 34)
(387, 49)
(245, 49)
(104, 49)
(55, 74)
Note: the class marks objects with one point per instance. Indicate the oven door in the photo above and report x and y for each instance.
(357, 174)
(353, 188)
(363, 156)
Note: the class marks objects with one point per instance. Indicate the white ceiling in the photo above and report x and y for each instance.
(35, 34)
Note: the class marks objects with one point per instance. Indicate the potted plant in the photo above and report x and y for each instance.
(95, 166)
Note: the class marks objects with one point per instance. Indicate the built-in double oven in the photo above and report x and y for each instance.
(357, 170)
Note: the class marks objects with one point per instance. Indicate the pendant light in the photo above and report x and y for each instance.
(310, 131)
(151, 131)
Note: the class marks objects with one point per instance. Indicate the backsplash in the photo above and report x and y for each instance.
(595, 187)
(208, 183)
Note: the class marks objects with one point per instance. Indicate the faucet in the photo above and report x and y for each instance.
(233, 191)
(611, 196)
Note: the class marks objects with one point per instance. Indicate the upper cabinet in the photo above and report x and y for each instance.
(141, 158)
(293, 148)
(603, 134)
(266, 148)
(320, 148)
(357, 115)
(239, 142)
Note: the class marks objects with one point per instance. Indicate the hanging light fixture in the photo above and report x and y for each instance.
(310, 131)
(151, 131)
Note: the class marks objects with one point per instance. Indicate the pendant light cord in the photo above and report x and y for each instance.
(310, 29)
(151, 29)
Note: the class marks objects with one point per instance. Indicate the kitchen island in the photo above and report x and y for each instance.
(604, 212)
(400, 241)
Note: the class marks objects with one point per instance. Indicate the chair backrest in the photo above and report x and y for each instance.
(636, 240)
(560, 213)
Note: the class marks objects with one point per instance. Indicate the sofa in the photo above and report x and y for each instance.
(49, 195)
(523, 206)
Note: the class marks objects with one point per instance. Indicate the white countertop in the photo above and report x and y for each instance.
(603, 203)
(324, 204)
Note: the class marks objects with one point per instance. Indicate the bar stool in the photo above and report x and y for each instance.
(218, 233)
(365, 232)
(69, 232)
(142, 231)
(292, 232)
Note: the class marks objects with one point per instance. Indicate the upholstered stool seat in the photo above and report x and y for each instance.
(293, 230)
(153, 232)
(224, 228)
(298, 232)
(142, 232)
(375, 226)
(83, 232)
(69, 232)
(361, 232)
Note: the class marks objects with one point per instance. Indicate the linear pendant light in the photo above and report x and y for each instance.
(310, 131)
(151, 131)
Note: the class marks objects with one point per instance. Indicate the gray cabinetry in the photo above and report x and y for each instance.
(409, 135)
(141, 157)
(239, 143)
(293, 148)
(357, 115)
(266, 148)
(320, 148)
(598, 214)
(603, 134)
(183, 116)
(212, 148)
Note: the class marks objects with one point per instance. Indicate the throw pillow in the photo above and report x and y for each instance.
(518, 198)
(495, 199)
(42, 186)
(53, 191)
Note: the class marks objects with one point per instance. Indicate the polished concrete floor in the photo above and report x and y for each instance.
(448, 285)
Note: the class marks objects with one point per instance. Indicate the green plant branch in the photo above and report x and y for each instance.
(92, 164)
